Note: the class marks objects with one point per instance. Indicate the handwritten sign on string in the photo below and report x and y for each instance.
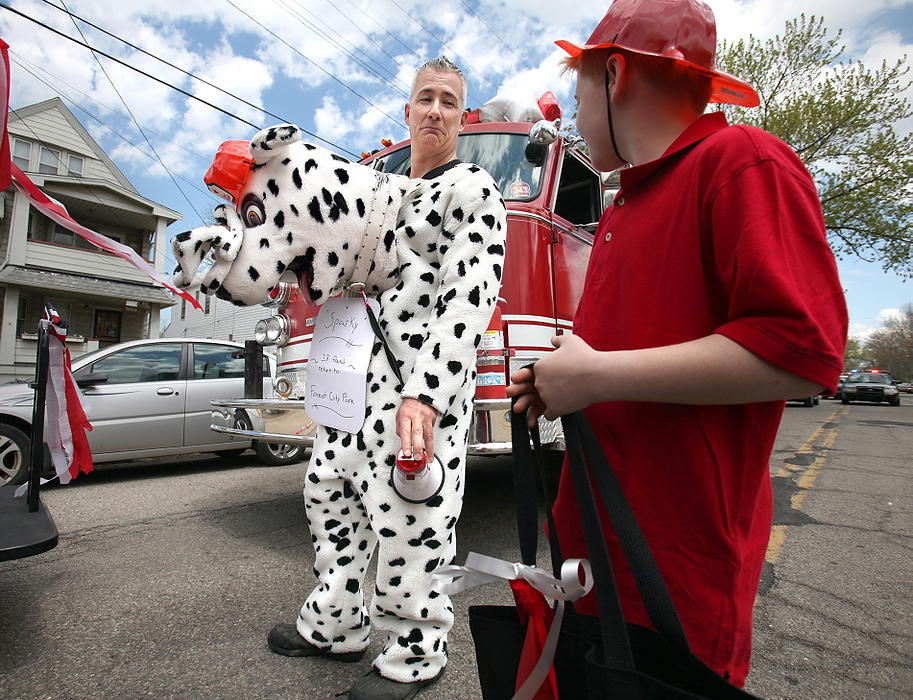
(337, 368)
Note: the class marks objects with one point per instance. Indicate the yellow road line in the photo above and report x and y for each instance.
(806, 477)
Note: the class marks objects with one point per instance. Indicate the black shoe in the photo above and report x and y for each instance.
(285, 640)
(375, 687)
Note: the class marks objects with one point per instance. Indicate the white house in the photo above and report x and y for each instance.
(103, 298)
(219, 319)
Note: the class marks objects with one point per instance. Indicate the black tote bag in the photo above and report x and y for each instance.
(602, 657)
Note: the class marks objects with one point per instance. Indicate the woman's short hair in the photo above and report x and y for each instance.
(442, 64)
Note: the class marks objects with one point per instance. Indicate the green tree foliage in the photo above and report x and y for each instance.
(842, 119)
(891, 347)
(854, 356)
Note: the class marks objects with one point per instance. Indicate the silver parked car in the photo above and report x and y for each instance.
(147, 398)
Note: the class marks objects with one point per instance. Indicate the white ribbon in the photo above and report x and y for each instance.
(480, 569)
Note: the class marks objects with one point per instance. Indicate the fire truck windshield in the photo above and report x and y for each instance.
(514, 163)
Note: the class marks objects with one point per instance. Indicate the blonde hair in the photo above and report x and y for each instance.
(669, 74)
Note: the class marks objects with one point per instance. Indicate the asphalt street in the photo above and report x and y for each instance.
(170, 573)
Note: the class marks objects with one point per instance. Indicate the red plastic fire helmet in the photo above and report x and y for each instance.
(228, 173)
(682, 30)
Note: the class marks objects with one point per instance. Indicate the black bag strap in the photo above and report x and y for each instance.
(524, 488)
(587, 458)
(616, 646)
(647, 576)
(527, 462)
(391, 358)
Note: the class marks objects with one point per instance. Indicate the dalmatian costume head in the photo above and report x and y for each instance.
(298, 208)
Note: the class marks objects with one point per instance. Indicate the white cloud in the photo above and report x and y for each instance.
(333, 59)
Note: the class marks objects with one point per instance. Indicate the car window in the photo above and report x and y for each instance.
(152, 363)
(869, 379)
(220, 362)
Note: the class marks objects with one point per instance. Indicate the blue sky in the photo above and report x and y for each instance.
(341, 70)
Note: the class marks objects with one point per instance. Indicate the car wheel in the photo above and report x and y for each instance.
(15, 447)
(808, 402)
(277, 454)
(845, 401)
(242, 422)
(895, 401)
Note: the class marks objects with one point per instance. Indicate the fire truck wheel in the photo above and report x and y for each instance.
(14, 455)
(275, 454)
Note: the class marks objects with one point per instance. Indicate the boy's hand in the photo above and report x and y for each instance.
(523, 386)
(563, 380)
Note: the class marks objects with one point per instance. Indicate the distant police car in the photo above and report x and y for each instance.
(872, 386)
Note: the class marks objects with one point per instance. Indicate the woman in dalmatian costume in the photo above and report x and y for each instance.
(450, 241)
(437, 270)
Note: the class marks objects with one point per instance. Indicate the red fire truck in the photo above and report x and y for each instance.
(554, 199)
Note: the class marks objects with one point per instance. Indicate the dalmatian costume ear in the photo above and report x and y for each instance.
(270, 142)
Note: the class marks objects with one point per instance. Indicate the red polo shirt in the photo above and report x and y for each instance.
(722, 234)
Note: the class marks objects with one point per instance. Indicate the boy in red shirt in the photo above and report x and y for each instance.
(711, 297)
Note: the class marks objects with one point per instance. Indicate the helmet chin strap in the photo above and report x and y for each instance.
(608, 107)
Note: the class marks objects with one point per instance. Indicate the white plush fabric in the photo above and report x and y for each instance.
(450, 243)
(303, 208)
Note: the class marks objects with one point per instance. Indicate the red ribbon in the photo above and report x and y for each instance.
(537, 615)
(56, 212)
(75, 445)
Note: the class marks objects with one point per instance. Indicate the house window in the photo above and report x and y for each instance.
(183, 309)
(48, 161)
(62, 236)
(74, 166)
(206, 303)
(22, 153)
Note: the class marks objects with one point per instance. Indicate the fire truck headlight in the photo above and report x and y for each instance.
(283, 387)
(272, 330)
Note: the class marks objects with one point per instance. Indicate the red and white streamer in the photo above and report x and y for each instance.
(55, 211)
(67, 421)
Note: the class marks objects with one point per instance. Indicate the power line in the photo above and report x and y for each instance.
(319, 67)
(499, 38)
(31, 68)
(368, 36)
(348, 52)
(188, 74)
(133, 117)
(163, 82)
(461, 60)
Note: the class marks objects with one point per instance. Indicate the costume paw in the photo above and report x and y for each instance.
(190, 248)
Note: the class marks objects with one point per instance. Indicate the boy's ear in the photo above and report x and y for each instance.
(615, 71)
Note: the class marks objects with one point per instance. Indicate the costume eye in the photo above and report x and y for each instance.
(252, 212)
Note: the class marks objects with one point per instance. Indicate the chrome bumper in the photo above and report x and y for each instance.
(273, 420)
